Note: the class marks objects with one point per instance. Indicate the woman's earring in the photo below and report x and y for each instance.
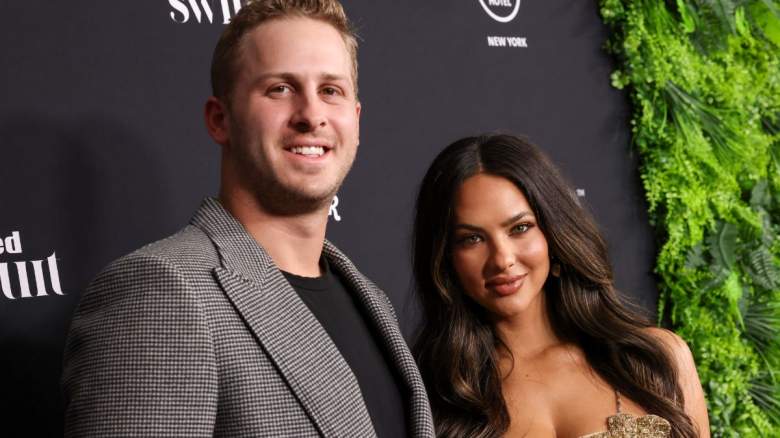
(555, 269)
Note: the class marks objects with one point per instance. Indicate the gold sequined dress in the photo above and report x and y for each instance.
(623, 425)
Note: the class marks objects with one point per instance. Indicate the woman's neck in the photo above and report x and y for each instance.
(529, 333)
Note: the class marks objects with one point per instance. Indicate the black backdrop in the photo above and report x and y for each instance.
(103, 149)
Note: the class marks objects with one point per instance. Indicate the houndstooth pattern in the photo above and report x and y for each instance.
(200, 334)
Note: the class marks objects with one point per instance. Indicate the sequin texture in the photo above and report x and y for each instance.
(624, 425)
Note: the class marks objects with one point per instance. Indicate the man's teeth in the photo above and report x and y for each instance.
(314, 151)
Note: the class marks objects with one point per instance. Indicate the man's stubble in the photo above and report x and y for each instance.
(275, 196)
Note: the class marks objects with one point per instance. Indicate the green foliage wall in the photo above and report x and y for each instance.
(704, 80)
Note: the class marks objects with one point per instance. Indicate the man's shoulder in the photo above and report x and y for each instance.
(190, 246)
(156, 273)
(189, 249)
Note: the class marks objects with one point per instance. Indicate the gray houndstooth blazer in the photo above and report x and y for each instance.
(201, 335)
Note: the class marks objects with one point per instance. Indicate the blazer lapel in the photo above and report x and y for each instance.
(289, 333)
(384, 321)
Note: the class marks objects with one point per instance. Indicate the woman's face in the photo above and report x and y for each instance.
(498, 250)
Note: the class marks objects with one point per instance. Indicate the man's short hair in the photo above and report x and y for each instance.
(224, 62)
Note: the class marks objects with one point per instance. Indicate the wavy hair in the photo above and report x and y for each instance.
(457, 347)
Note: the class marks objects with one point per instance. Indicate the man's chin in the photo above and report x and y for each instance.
(286, 201)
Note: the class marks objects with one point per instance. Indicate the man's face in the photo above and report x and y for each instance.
(293, 119)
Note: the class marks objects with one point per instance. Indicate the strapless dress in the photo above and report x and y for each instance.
(623, 425)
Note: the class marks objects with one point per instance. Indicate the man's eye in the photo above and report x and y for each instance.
(280, 89)
(331, 91)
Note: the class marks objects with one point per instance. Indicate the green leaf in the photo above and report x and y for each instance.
(732, 291)
(763, 269)
(762, 324)
(717, 280)
(704, 80)
(774, 10)
(767, 18)
(695, 258)
(740, 22)
(765, 391)
(723, 246)
(687, 16)
(774, 150)
(760, 197)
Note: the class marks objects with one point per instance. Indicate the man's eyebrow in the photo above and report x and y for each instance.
(259, 81)
(334, 77)
(289, 76)
(506, 223)
(275, 75)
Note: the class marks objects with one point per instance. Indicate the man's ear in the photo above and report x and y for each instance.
(358, 108)
(217, 123)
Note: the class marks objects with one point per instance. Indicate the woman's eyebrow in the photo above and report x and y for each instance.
(468, 227)
(506, 223)
(516, 218)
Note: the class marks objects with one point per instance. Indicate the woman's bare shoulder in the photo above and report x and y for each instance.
(688, 377)
(676, 347)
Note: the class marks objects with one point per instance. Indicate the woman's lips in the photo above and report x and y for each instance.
(506, 285)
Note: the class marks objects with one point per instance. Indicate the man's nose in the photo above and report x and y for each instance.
(309, 114)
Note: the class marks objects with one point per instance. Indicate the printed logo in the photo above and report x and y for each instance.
(21, 284)
(202, 10)
(507, 41)
(502, 11)
(333, 212)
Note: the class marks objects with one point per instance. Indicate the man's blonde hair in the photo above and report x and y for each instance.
(224, 62)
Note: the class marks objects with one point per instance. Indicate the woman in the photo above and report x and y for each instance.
(523, 333)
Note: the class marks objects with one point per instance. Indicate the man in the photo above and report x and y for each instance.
(247, 322)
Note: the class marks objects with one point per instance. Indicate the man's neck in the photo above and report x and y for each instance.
(293, 242)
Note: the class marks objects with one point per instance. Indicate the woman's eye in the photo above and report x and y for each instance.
(469, 240)
(520, 228)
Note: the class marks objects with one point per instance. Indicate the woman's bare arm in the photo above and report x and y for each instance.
(693, 395)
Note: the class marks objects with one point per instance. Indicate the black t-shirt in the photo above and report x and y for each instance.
(340, 313)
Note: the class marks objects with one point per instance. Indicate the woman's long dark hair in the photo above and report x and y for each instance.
(458, 348)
